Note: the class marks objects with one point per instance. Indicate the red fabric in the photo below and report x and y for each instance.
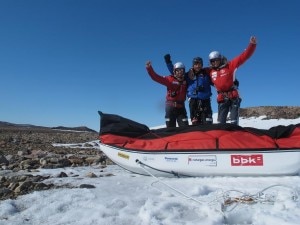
(125, 133)
(172, 84)
(198, 140)
(223, 78)
(290, 142)
(229, 94)
(244, 140)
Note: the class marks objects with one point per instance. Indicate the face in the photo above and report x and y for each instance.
(215, 62)
(197, 67)
(179, 74)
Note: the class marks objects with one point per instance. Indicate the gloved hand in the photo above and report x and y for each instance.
(168, 58)
(200, 88)
(191, 74)
(236, 83)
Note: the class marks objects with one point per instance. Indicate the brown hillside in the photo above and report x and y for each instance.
(271, 112)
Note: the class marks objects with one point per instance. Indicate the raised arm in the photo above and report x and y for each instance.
(169, 63)
(156, 77)
(245, 55)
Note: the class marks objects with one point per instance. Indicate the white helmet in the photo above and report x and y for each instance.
(214, 55)
(179, 65)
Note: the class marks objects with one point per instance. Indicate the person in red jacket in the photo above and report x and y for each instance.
(236, 86)
(222, 76)
(176, 94)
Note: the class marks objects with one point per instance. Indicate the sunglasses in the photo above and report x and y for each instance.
(179, 70)
(214, 60)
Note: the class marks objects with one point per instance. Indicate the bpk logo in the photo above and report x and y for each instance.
(247, 160)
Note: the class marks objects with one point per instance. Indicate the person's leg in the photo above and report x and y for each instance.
(170, 116)
(193, 110)
(207, 111)
(218, 118)
(182, 119)
(234, 113)
(223, 111)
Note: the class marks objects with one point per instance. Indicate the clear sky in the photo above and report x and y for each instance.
(63, 60)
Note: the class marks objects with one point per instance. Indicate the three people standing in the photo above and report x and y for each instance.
(196, 85)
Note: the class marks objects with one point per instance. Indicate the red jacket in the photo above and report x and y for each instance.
(223, 77)
(176, 90)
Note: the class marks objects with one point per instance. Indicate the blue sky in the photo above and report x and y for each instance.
(63, 60)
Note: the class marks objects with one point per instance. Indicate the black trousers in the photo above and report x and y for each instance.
(200, 111)
(174, 114)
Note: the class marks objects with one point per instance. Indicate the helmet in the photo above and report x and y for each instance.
(214, 55)
(179, 65)
(197, 60)
(224, 60)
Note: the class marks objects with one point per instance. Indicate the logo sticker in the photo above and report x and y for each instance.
(247, 160)
(203, 160)
(122, 155)
(171, 159)
(147, 158)
(214, 75)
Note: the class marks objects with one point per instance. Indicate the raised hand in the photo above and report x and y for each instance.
(167, 58)
(253, 40)
(148, 64)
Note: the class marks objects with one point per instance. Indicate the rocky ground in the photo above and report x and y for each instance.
(26, 148)
(272, 112)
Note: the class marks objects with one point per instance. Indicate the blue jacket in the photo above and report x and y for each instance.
(199, 85)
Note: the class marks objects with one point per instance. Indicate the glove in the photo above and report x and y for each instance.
(168, 58)
(236, 83)
(191, 74)
(200, 88)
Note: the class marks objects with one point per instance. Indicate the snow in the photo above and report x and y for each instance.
(123, 198)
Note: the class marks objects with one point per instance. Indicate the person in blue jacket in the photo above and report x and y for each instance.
(198, 91)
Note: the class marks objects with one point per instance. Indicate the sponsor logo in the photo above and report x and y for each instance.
(146, 158)
(171, 159)
(214, 75)
(122, 155)
(223, 73)
(203, 160)
(247, 160)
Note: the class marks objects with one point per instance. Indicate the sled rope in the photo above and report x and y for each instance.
(160, 181)
(176, 190)
(259, 197)
(225, 199)
(172, 172)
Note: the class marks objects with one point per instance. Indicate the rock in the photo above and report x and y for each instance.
(3, 160)
(62, 174)
(89, 186)
(271, 112)
(91, 175)
(29, 149)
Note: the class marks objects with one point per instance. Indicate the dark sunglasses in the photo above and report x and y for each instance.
(214, 60)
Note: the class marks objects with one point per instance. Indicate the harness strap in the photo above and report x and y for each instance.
(175, 104)
(231, 94)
